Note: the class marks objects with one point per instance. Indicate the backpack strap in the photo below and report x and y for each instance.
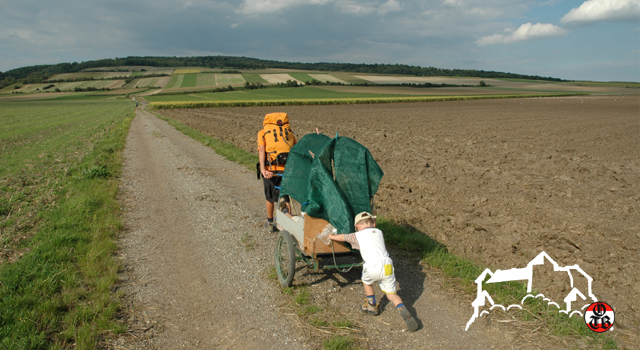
(275, 135)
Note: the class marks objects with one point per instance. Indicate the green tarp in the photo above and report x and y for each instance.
(333, 178)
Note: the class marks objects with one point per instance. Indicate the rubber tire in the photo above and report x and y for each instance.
(285, 258)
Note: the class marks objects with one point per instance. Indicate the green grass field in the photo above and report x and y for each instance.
(59, 220)
(229, 79)
(189, 80)
(303, 77)
(253, 78)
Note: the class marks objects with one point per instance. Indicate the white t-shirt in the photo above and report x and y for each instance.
(370, 242)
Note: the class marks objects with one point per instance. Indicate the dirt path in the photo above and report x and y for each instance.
(185, 212)
(197, 263)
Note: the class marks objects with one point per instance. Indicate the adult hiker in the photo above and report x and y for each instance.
(274, 142)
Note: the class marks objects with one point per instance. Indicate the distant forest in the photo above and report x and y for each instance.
(38, 74)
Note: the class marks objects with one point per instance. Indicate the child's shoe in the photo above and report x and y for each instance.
(412, 324)
(370, 309)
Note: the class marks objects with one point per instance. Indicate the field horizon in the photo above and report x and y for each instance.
(189, 76)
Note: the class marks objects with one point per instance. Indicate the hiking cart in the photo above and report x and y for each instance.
(298, 241)
(329, 181)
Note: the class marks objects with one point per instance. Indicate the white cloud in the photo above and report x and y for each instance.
(592, 11)
(389, 6)
(252, 7)
(453, 3)
(350, 7)
(526, 31)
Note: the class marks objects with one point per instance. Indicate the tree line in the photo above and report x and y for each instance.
(40, 73)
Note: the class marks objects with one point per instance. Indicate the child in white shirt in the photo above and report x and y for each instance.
(377, 267)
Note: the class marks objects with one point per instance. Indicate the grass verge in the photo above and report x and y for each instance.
(334, 331)
(227, 150)
(338, 101)
(59, 293)
(462, 272)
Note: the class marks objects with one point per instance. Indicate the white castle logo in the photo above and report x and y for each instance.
(574, 272)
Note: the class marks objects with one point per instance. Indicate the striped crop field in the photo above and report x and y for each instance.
(116, 84)
(131, 84)
(229, 79)
(206, 79)
(153, 82)
(301, 76)
(78, 76)
(159, 70)
(279, 78)
(98, 84)
(349, 78)
(117, 74)
(70, 86)
(175, 82)
(163, 81)
(146, 82)
(27, 88)
(253, 78)
(327, 77)
(189, 80)
(187, 71)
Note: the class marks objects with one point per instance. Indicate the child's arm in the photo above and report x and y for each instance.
(349, 238)
(337, 238)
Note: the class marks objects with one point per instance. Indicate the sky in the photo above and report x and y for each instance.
(577, 40)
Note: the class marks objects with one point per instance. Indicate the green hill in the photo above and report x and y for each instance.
(41, 73)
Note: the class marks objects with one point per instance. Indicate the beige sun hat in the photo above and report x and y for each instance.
(363, 215)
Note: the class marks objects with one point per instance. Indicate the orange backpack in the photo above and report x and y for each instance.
(278, 138)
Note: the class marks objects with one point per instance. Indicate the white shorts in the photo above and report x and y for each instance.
(382, 273)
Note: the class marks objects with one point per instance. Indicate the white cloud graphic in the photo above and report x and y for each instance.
(526, 31)
(592, 11)
(574, 272)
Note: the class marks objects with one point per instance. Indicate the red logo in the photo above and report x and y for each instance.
(599, 317)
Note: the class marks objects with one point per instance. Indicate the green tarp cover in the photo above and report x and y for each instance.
(335, 183)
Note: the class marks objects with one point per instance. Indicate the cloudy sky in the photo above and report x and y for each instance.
(590, 40)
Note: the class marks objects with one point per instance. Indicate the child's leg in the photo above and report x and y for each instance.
(368, 290)
(394, 298)
(412, 324)
(370, 306)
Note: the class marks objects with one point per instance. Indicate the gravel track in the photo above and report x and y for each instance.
(186, 210)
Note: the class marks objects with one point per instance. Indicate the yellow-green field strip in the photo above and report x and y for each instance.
(340, 101)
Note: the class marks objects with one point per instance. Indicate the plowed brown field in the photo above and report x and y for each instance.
(496, 181)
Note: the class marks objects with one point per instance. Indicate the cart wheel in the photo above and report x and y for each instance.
(285, 259)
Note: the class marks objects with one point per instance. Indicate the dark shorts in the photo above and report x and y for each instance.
(271, 193)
